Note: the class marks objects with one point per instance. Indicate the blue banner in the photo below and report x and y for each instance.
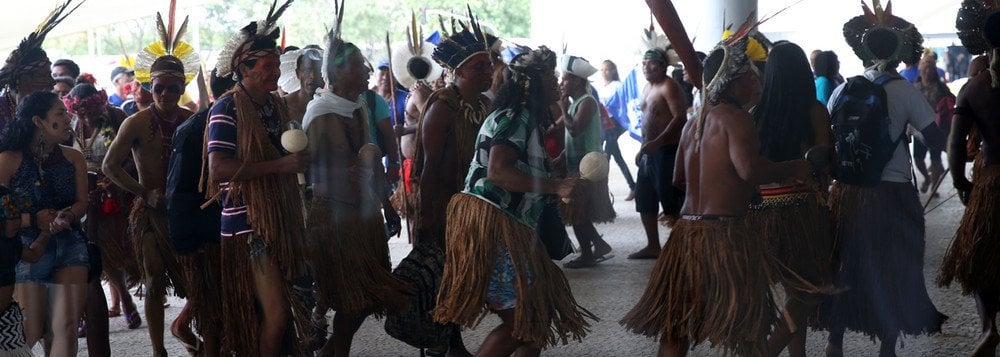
(624, 105)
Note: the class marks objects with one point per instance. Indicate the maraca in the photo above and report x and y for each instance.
(295, 140)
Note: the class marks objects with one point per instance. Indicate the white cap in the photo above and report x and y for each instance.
(577, 66)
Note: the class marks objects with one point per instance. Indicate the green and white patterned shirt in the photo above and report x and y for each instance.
(520, 133)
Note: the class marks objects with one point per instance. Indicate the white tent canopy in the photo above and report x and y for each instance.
(22, 18)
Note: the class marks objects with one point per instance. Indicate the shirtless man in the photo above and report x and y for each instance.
(971, 258)
(663, 113)
(147, 135)
(448, 131)
(719, 166)
(307, 73)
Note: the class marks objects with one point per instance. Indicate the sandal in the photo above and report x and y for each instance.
(580, 263)
(114, 312)
(133, 321)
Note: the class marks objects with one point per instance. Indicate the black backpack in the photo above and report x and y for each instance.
(190, 226)
(860, 119)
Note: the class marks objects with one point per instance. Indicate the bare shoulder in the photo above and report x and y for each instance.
(9, 160)
(73, 155)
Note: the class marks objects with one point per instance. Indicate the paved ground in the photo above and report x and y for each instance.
(613, 287)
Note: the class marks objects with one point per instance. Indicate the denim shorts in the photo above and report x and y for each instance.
(66, 249)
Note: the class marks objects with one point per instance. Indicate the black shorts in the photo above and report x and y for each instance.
(10, 254)
(654, 184)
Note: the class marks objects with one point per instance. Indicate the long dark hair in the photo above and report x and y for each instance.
(782, 117)
(524, 90)
(513, 96)
(21, 131)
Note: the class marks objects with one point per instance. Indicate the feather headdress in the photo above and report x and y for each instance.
(413, 63)
(723, 66)
(29, 56)
(252, 41)
(289, 80)
(866, 33)
(337, 50)
(971, 23)
(169, 51)
(659, 45)
(464, 41)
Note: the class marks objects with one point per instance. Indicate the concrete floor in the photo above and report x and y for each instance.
(613, 287)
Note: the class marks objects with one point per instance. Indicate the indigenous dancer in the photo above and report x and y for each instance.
(494, 258)
(880, 229)
(346, 241)
(262, 225)
(793, 218)
(27, 68)
(413, 68)
(165, 66)
(97, 123)
(194, 232)
(972, 257)
(13, 217)
(446, 137)
(581, 116)
(53, 178)
(300, 78)
(663, 113)
(711, 280)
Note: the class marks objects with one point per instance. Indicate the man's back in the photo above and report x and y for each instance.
(981, 98)
(714, 185)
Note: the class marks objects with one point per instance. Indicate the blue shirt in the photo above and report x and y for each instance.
(222, 138)
(824, 88)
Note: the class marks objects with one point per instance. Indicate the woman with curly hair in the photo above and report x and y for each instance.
(54, 178)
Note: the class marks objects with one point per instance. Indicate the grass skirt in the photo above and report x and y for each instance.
(711, 283)
(974, 254)
(881, 235)
(546, 312)
(241, 314)
(150, 225)
(355, 273)
(109, 231)
(798, 234)
(203, 275)
(592, 205)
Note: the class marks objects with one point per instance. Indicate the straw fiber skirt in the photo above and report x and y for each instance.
(972, 259)
(593, 205)
(478, 236)
(711, 283)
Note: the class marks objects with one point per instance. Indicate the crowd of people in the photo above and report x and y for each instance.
(273, 204)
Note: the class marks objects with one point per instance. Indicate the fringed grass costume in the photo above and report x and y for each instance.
(151, 224)
(712, 279)
(346, 241)
(594, 205)
(710, 283)
(271, 209)
(347, 244)
(494, 259)
(973, 255)
(795, 223)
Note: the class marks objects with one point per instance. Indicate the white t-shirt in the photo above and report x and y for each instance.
(906, 106)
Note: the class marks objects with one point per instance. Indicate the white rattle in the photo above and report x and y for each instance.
(295, 140)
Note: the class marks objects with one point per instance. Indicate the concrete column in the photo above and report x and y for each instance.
(718, 14)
